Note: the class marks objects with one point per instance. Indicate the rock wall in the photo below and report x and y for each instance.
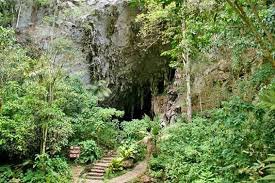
(209, 88)
(104, 32)
(110, 39)
(100, 29)
(34, 29)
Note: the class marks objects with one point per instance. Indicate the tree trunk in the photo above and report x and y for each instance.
(18, 15)
(44, 139)
(50, 98)
(187, 67)
(188, 87)
(46, 127)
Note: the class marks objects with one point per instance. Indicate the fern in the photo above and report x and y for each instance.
(270, 168)
(268, 97)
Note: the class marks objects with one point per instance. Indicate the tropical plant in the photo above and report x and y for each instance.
(89, 152)
(44, 106)
(268, 97)
(128, 151)
(6, 174)
(270, 168)
(48, 169)
(228, 146)
(268, 101)
(116, 165)
(136, 129)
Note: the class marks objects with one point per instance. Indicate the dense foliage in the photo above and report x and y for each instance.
(45, 169)
(227, 144)
(210, 26)
(230, 145)
(44, 110)
(89, 152)
(208, 32)
(136, 129)
(129, 154)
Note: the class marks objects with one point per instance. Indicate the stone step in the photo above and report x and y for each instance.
(111, 155)
(94, 177)
(97, 170)
(108, 158)
(96, 174)
(105, 161)
(105, 165)
(93, 181)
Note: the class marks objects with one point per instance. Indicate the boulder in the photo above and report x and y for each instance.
(145, 179)
(128, 163)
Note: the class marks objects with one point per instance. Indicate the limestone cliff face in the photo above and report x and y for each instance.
(35, 28)
(100, 29)
(209, 87)
(104, 32)
(109, 41)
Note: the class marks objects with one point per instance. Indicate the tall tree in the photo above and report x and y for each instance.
(187, 67)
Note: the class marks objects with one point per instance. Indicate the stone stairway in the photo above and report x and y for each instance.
(96, 173)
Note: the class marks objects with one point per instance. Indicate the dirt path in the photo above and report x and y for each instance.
(76, 171)
(132, 175)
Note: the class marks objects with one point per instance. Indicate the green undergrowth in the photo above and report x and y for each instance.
(44, 111)
(42, 169)
(132, 149)
(228, 146)
(129, 154)
(111, 175)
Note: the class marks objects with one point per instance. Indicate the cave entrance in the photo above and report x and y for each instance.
(137, 103)
(134, 88)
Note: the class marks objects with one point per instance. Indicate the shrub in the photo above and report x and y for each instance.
(127, 151)
(132, 151)
(136, 129)
(270, 169)
(268, 97)
(107, 135)
(96, 123)
(6, 174)
(116, 165)
(227, 147)
(89, 152)
(46, 169)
